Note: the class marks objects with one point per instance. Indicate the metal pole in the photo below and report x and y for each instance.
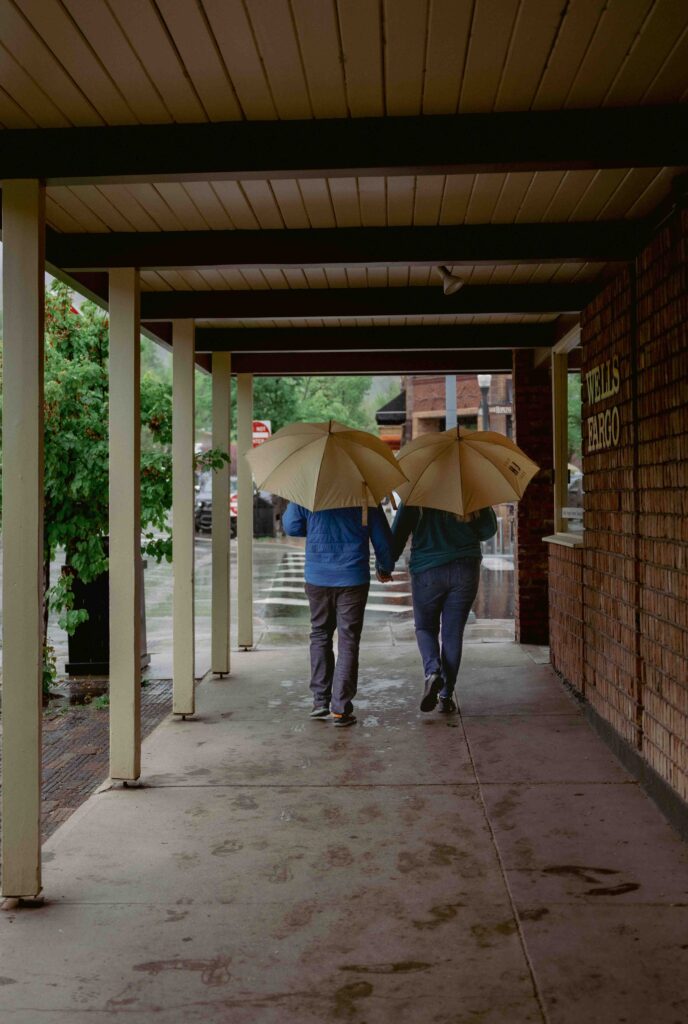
(450, 401)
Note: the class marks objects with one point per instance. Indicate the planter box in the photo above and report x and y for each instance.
(89, 648)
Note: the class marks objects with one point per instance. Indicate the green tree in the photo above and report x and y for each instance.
(574, 418)
(76, 454)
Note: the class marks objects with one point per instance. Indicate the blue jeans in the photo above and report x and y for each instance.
(442, 599)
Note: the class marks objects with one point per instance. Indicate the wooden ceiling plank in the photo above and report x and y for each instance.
(613, 38)
(265, 209)
(398, 277)
(181, 204)
(274, 31)
(671, 78)
(105, 35)
(361, 34)
(356, 277)
(393, 363)
(197, 49)
(99, 203)
(12, 115)
(64, 38)
(154, 204)
(601, 188)
(484, 198)
(535, 31)
(655, 192)
(400, 196)
(295, 278)
(56, 216)
(456, 197)
(577, 29)
(315, 277)
(491, 31)
(70, 201)
(513, 193)
(373, 202)
(405, 34)
(336, 277)
(275, 279)
(235, 203)
(449, 26)
(317, 201)
(129, 207)
(542, 189)
(625, 195)
(196, 279)
(209, 206)
(254, 279)
(237, 45)
(344, 193)
(290, 202)
(149, 39)
(233, 278)
(29, 96)
(29, 50)
(175, 280)
(318, 35)
(215, 279)
(377, 277)
(569, 192)
(666, 23)
(428, 199)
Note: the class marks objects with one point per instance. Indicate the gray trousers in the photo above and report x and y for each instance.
(339, 608)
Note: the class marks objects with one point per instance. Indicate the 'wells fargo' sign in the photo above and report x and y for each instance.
(602, 382)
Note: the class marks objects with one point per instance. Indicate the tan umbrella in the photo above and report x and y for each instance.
(326, 465)
(462, 472)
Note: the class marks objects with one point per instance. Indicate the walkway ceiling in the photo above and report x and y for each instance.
(292, 172)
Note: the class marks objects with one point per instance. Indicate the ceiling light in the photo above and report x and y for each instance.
(450, 283)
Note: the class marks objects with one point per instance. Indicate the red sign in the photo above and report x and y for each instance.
(262, 430)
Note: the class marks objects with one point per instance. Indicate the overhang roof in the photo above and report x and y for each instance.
(284, 164)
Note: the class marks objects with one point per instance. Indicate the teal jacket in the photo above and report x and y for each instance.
(439, 537)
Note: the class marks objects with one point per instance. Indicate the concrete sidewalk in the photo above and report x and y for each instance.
(499, 867)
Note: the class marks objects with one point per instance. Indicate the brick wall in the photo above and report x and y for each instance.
(532, 405)
(619, 605)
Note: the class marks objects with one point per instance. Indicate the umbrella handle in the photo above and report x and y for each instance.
(393, 501)
(364, 505)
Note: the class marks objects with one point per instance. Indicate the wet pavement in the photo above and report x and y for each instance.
(271, 869)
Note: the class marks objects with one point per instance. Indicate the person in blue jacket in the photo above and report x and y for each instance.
(445, 573)
(337, 583)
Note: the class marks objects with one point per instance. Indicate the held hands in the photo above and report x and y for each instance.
(383, 577)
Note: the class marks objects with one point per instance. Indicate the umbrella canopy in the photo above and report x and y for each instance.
(463, 472)
(326, 465)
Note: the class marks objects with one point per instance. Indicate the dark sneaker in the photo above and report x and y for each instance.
(340, 721)
(433, 684)
(320, 711)
(447, 706)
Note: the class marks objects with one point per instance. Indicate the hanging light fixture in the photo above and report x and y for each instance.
(450, 283)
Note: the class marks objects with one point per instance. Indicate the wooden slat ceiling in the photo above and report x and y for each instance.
(91, 63)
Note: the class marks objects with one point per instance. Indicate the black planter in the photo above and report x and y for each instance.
(89, 647)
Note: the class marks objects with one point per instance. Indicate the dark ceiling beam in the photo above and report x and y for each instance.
(340, 247)
(447, 144)
(375, 339)
(357, 302)
(271, 364)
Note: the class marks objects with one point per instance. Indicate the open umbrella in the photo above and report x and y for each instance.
(326, 465)
(462, 472)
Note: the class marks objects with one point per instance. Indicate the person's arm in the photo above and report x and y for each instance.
(405, 521)
(295, 520)
(381, 538)
(485, 523)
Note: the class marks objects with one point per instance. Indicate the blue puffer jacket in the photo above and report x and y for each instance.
(338, 544)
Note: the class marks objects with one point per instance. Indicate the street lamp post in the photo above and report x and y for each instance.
(484, 381)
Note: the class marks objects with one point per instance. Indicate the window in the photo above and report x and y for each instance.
(568, 461)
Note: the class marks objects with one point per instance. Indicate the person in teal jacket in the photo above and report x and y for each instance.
(445, 573)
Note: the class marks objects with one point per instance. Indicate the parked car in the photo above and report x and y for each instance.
(263, 512)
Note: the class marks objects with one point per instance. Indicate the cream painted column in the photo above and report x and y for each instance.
(23, 230)
(183, 702)
(125, 526)
(244, 510)
(222, 425)
(560, 436)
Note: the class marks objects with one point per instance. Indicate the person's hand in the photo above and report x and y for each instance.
(383, 577)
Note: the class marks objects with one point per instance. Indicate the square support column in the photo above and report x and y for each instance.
(183, 698)
(125, 526)
(245, 509)
(23, 226)
(221, 570)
